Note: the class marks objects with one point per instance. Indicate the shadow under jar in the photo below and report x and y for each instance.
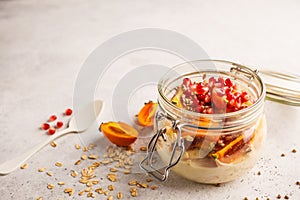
(207, 148)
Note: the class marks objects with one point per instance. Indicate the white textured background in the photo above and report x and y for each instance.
(44, 43)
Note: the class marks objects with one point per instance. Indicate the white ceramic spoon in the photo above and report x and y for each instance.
(79, 122)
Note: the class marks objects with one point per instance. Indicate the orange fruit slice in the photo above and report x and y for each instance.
(147, 113)
(119, 133)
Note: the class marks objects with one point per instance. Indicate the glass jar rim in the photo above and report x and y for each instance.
(253, 73)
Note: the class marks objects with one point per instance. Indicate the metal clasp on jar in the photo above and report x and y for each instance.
(147, 163)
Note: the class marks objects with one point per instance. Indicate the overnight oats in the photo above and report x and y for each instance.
(210, 123)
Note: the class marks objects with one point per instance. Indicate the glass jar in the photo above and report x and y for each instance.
(207, 148)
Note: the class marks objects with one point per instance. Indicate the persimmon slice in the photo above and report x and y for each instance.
(146, 114)
(119, 133)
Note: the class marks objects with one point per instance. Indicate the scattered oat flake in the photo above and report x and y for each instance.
(91, 146)
(127, 171)
(77, 146)
(88, 189)
(119, 195)
(39, 198)
(49, 174)
(110, 197)
(58, 164)
(70, 191)
(112, 177)
(113, 169)
(85, 149)
(92, 157)
(83, 181)
(133, 192)
(83, 157)
(77, 162)
(148, 180)
(50, 186)
(74, 174)
(143, 148)
(60, 183)
(90, 194)
(24, 166)
(89, 184)
(132, 182)
(142, 185)
(110, 187)
(99, 190)
(42, 169)
(106, 192)
(53, 144)
(81, 193)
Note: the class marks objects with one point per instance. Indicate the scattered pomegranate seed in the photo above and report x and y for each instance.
(59, 124)
(68, 111)
(52, 118)
(51, 131)
(45, 126)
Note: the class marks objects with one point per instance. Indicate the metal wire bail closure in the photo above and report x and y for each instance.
(147, 163)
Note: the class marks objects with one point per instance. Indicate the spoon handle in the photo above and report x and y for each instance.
(10, 165)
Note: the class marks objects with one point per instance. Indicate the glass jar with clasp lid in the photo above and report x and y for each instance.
(210, 125)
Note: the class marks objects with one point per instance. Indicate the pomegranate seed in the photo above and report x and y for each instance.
(200, 108)
(45, 126)
(229, 96)
(238, 103)
(207, 98)
(51, 131)
(209, 111)
(52, 118)
(59, 124)
(212, 80)
(221, 80)
(245, 97)
(231, 103)
(187, 82)
(200, 97)
(237, 94)
(228, 82)
(193, 87)
(227, 89)
(202, 89)
(68, 112)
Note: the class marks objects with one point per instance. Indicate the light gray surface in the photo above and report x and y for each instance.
(44, 43)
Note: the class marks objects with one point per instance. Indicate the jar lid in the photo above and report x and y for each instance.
(282, 87)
